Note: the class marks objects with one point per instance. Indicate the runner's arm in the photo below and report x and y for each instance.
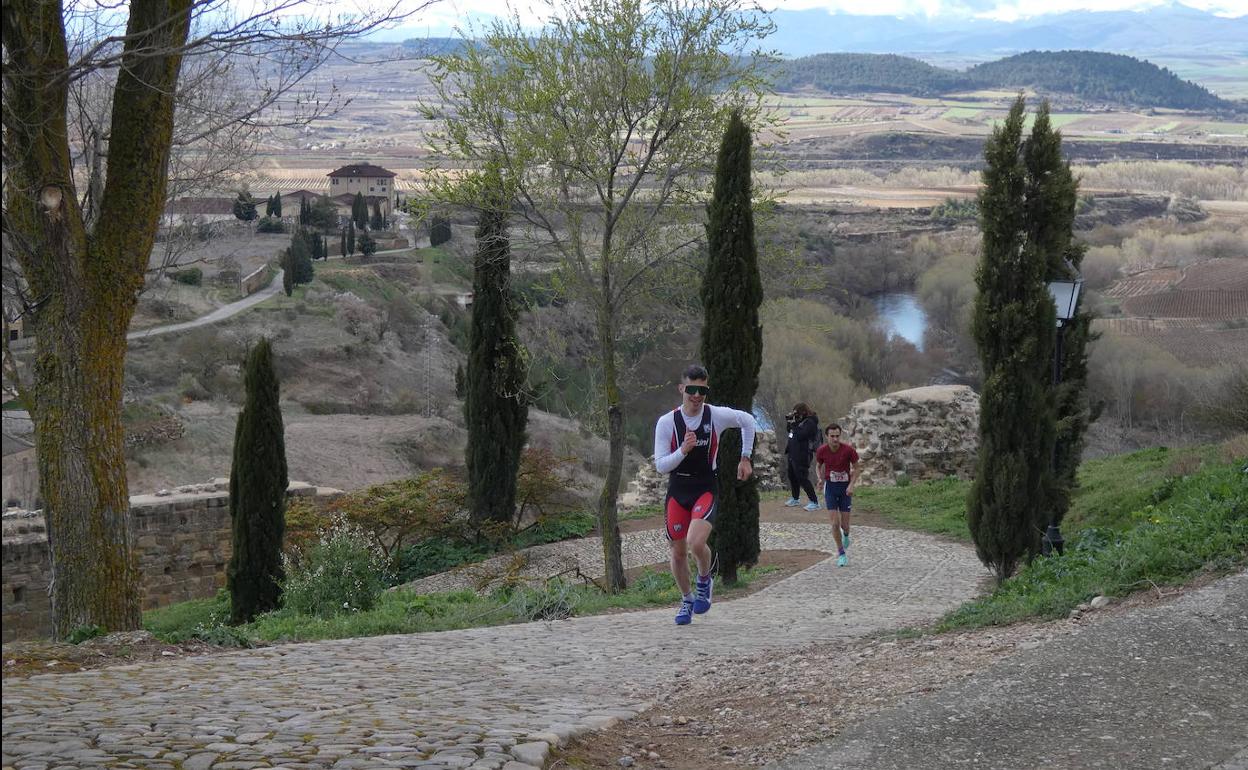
(665, 460)
(727, 417)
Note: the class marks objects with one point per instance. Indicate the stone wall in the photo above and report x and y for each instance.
(649, 486)
(182, 539)
(924, 433)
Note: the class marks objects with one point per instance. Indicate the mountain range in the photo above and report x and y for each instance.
(1172, 29)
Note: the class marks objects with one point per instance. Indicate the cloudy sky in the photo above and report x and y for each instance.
(445, 13)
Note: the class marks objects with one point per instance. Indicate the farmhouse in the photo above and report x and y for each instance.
(374, 182)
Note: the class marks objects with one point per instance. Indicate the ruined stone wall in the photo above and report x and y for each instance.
(183, 542)
(923, 433)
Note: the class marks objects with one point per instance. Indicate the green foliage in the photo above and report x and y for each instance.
(191, 276)
(1096, 76)
(270, 225)
(954, 210)
(1051, 198)
(461, 388)
(1091, 75)
(439, 230)
(368, 246)
(496, 404)
(403, 612)
(343, 572)
(350, 239)
(732, 337)
(303, 246)
(81, 634)
(276, 206)
(1013, 326)
(858, 72)
(244, 207)
(376, 221)
(288, 273)
(258, 481)
(321, 213)
(359, 211)
(1201, 524)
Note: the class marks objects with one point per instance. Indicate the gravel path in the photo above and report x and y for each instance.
(494, 698)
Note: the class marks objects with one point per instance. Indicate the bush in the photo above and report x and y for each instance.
(343, 572)
(83, 633)
(270, 225)
(192, 276)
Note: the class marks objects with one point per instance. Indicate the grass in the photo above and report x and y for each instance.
(1150, 518)
(1110, 491)
(1200, 527)
(405, 612)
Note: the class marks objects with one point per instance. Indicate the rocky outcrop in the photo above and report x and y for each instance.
(922, 433)
(649, 486)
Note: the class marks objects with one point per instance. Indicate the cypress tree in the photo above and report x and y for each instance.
(1052, 197)
(376, 223)
(244, 206)
(496, 408)
(301, 257)
(359, 211)
(1013, 327)
(350, 237)
(258, 484)
(277, 204)
(460, 385)
(268, 206)
(342, 247)
(732, 338)
(288, 273)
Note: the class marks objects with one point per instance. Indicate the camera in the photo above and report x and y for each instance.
(790, 418)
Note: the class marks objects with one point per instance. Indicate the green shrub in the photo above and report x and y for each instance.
(192, 276)
(270, 225)
(221, 635)
(343, 572)
(83, 633)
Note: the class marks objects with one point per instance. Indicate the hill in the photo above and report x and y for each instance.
(856, 72)
(1086, 75)
(1096, 76)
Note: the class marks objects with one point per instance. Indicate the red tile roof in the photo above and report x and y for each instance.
(362, 171)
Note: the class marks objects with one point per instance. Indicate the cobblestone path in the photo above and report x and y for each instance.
(480, 698)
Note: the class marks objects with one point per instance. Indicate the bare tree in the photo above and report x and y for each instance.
(83, 256)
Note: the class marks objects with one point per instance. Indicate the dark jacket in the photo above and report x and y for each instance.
(802, 437)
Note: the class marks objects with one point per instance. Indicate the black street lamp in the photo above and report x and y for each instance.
(1065, 293)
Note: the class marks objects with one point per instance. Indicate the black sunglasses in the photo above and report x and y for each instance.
(698, 390)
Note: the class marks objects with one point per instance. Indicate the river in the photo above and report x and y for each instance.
(901, 315)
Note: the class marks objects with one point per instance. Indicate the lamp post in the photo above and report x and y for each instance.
(1065, 293)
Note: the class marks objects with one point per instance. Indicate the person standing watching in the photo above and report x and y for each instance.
(803, 426)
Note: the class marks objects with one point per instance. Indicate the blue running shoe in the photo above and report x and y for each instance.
(702, 597)
(812, 506)
(845, 539)
(792, 502)
(684, 616)
(841, 561)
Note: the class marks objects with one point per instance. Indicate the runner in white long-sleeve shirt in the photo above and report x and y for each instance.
(686, 442)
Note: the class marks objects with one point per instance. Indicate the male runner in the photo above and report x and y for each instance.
(686, 441)
(837, 464)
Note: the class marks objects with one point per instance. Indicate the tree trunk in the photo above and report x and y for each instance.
(608, 520)
(86, 287)
(82, 467)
